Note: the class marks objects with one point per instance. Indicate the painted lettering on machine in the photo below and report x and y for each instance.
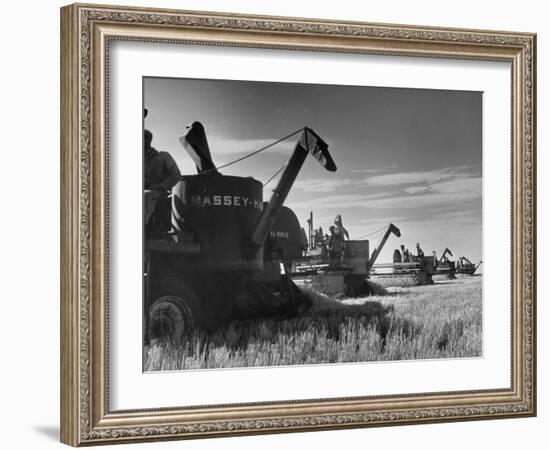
(279, 234)
(217, 200)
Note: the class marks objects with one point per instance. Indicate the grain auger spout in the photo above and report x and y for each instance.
(308, 143)
(444, 258)
(444, 266)
(391, 229)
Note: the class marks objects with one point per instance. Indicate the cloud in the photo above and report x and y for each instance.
(417, 189)
(446, 186)
(467, 215)
(448, 193)
(403, 178)
(321, 184)
(375, 169)
(379, 220)
(471, 186)
(336, 202)
(441, 180)
(451, 192)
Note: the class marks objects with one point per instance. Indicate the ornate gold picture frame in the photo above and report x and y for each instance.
(87, 32)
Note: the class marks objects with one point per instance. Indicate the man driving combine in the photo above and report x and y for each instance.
(160, 173)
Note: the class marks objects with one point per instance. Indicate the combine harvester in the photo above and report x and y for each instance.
(345, 275)
(450, 269)
(418, 271)
(422, 270)
(466, 267)
(219, 260)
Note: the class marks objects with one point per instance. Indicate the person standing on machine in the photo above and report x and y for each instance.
(338, 224)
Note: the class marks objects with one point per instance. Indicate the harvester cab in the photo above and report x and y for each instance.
(210, 267)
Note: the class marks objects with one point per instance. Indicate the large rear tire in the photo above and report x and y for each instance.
(170, 317)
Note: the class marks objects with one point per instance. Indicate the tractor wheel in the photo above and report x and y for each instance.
(170, 317)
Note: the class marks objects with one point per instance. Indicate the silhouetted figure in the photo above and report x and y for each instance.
(160, 173)
(340, 226)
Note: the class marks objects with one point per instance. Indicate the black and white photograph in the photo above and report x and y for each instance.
(289, 224)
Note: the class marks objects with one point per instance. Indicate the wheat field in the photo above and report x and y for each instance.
(443, 320)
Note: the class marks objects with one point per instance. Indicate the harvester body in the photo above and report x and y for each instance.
(420, 269)
(346, 275)
(213, 265)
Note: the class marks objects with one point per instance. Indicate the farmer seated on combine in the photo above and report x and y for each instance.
(161, 173)
(419, 252)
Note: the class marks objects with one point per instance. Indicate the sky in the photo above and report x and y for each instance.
(412, 157)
